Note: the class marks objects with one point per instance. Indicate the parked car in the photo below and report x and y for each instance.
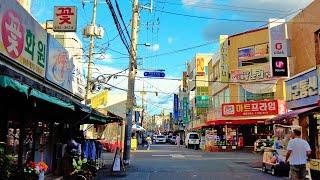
(169, 138)
(173, 140)
(192, 140)
(160, 139)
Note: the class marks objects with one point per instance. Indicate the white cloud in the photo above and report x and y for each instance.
(259, 10)
(154, 47)
(170, 40)
(190, 2)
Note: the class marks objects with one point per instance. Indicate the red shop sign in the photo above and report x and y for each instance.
(265, 107)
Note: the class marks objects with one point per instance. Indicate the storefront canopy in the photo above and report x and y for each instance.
(290, 115)
(7, 82)
(93, 116)
(50, 99)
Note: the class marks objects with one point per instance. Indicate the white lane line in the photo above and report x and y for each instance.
(160, 155)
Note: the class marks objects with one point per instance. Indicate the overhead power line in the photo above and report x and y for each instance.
(229, 8)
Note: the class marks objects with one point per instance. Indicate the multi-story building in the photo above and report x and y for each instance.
(243, 92)
(198, 89)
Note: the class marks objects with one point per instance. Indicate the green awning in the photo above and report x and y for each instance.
(7, 82)
(53, 100)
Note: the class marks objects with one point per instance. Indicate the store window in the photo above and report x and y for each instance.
(245, 96)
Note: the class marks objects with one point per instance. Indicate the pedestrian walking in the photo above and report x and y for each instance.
(297, 155)
(148, 139)
(178, 139)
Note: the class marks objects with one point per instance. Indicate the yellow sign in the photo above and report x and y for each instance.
(200, 66)
(65, 19)
(99, 99)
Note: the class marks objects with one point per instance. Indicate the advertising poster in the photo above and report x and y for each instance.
(59, 66)
(22, 39)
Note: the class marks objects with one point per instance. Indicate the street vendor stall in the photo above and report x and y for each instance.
(274, 157)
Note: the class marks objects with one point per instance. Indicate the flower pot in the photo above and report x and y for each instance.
(41, 176)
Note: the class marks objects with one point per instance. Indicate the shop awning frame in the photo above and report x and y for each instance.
(40, 95)
(7, 82)
(290, 115)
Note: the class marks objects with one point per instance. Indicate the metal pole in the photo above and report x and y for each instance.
(131, 81)
(89, 77)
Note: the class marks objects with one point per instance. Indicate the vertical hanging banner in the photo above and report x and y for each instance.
(278, 44)
(65, 19)
(185, 107)
(176, 108)
(224, 68)
(22, 38)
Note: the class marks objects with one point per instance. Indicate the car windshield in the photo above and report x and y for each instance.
(193, 136)
(160, 136)
(173, 137)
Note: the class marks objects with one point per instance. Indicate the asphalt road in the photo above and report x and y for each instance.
(166, 162)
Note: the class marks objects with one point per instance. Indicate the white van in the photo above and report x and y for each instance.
(192, 140)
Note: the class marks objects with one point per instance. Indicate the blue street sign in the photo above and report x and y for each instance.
(154, 74)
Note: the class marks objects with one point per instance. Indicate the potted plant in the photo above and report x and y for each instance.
(35, 171)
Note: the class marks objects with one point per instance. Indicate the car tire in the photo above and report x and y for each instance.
(264, 168)
(273, 171)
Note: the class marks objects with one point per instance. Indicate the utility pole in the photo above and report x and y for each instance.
(131, 81)
(92, 36)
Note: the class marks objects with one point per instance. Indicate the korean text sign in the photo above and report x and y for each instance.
(22, 39)
(176, 108)
(65, 19)
(302, 90)
(185, 107)
(256, 108)
(251, 74)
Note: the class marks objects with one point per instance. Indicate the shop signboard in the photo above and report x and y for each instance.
(99, 99)
(253, 108)
(246, 53)
(280, 67)
(261, 51)
(176, 108)
(224, 68)
(65, 19)
(22, 38)
(200, 66)
(251, 74)
(302, 90)
(185, 106)
(184, 83)
(59, 66)
(278, 42)
(202, 101)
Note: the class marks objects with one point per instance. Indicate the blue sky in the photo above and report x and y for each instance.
(167, 32)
